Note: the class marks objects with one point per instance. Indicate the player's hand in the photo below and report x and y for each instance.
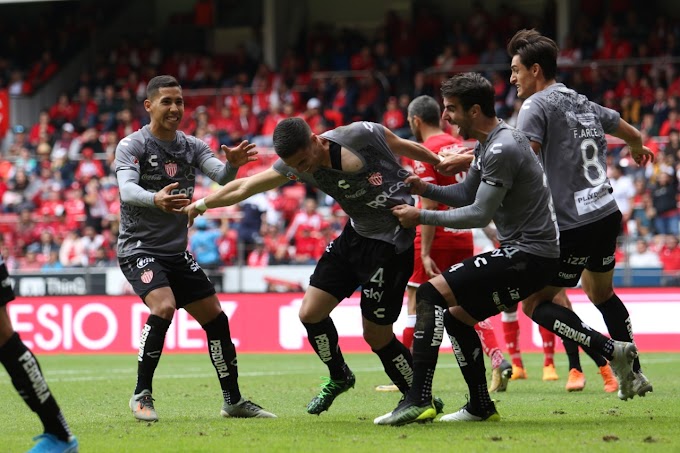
(168, 202)
(642, 156)
(242, 154)
(430, 266)
(408, 216)
(417, 185)
(192, 212)
(456, 160)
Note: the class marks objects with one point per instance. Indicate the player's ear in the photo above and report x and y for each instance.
(147, 105)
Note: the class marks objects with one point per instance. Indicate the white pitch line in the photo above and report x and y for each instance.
(127, 373)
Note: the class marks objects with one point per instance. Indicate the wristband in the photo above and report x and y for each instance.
(201, 206)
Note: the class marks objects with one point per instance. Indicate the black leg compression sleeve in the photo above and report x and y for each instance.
(28, 380)
(150, 349)
(323, 337)
(398, 364)
(223, 357)
(428, 335)
(566, 324)
(467, 347)
(617, 319)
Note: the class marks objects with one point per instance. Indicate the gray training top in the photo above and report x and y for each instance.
(571, 130)
(368, 194)
(525, 218)
(144, 165)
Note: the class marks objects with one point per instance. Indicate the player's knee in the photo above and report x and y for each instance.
(163, 310)
(427, 293)
(378, 338)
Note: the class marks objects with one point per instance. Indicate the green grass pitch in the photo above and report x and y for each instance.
(93, 392)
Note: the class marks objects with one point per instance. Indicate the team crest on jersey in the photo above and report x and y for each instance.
(147, 276)
(375, 179)
(292, 176)
(171, 169)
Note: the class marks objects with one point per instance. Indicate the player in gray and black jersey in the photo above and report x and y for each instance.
(156, 170)
(356, 165)
(505, 184)
(567, 131)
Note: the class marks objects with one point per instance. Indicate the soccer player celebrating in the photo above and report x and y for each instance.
(505, 183)
(27, 378)
(356, 165)
(438, 247)
(156, 168)
(568, 132)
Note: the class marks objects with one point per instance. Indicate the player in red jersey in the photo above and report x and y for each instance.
(438, 248)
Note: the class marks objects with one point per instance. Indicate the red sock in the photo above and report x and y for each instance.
(511, 333)
(548, 346)
(407, 337)
(489, 344)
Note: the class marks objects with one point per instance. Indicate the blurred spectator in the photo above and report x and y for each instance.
(394, 119)
(623, 191)
(65, 145)
(127, 124)
(90, 242)
(109, 106)
(86, 109)
(203, 244)
(29, 262)
(52, 264)
(308, 247)
(672, 148)
(27, 231)
(252, 210)
(671, 122)
(88, 167)
(18, 140)
(43, 126)
(226, 244)
(62, 111)
(664, 199)
(642, 211)
(307, 216)
(72, 252)
(642, 256)
(246, 125)
(670, 258)
(259, 256)
(312, 115)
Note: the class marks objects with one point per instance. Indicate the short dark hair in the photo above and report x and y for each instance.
(534, 48)
(290, 136)
(426, 108)
(471, 88)
(158, 82)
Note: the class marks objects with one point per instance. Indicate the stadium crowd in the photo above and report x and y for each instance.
(59, 196)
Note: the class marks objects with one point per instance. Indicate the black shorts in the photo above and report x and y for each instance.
(489, 283)
(6, 291)
(352, 260)
(589, 247)
(180, 272)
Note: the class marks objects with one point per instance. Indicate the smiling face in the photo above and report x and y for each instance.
(455, 115)
(523, 78)
(166, 109)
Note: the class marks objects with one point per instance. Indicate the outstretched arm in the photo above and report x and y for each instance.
(410, 149)
(476, 215)
(641, 154)
(236, 191)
